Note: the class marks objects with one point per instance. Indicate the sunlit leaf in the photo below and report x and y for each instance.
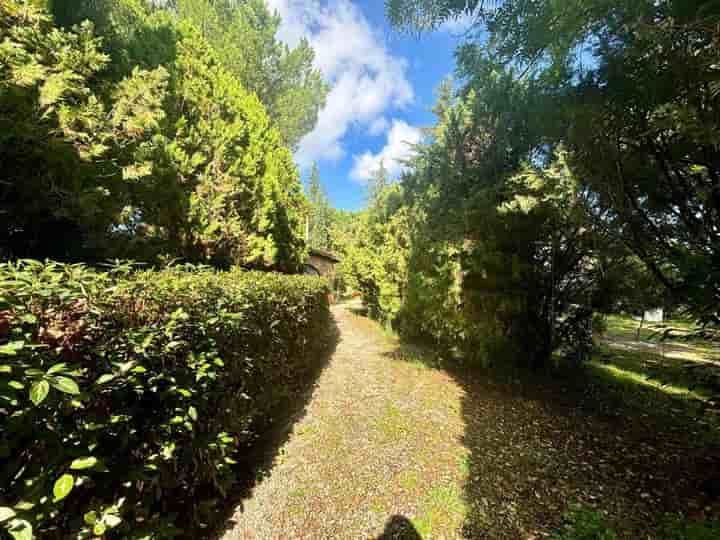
(106, 377)
(57, 368)
(83, 463)
(112, 520)
(65, 384)
(6, 513)
(39, 391)
(12, 348)
(90, 517)
(192, 413)
(20, 529)
(63, 486)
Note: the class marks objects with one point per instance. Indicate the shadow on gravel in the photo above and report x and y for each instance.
(540, 443)
(255, 464)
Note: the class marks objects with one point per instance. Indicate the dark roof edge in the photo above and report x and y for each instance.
(323, 253)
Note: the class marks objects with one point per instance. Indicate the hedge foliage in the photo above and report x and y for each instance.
(127, 396)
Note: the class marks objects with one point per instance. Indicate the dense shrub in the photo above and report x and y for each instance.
(676, 527)
(126, 396)
(584, 523)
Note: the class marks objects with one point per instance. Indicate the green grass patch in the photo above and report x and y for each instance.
(624, 327)
(409, 480)
(628, 382)
(443, 512)
(583, 523)
(629, 378)
(378, 507)
(391, 424)
(685, 370)
(465, 465)
(297, 493)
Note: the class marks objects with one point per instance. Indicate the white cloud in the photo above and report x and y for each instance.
(378, 126)
(398, 147)
(366, 78)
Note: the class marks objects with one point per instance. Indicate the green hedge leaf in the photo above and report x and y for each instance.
(90, 517)
(65, 384)
(63, 486)
(20, 530)
(112, 520)
(57, 368)
(12, 348)
(6, 513)
(83, 463)
(105, 378)
(39, 391)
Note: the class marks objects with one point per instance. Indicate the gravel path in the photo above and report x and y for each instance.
(389, 446)
(373, 443)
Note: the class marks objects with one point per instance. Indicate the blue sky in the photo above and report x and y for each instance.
(383, 87)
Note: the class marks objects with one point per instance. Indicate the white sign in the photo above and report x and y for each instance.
(654, 315)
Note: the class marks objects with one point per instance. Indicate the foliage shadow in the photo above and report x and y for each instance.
(258, 461)
(540, 443)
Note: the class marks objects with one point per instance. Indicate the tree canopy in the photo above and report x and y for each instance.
(173, 156)
(244, 36)
(572, 172)
(629, 89)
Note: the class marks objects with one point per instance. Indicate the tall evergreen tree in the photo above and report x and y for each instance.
(319, 215)
(174, 159)
(244, 34)
(376, 188)
(639, 120)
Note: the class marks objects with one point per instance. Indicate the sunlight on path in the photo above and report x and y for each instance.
(381, 438)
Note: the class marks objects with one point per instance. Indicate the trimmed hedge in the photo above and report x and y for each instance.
(126, 396)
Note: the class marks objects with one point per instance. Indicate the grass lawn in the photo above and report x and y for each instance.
(689, 370)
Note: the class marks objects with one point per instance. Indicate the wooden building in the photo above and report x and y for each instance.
(321, 263)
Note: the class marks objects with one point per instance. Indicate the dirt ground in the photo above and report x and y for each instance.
(391, 445)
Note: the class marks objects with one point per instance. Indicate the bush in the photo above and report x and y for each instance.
(675, 527)
(585, 524)
(127, 396)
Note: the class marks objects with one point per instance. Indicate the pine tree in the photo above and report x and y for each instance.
(319, 218)
(377, 190)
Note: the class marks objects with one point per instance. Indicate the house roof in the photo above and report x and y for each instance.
(324, 254)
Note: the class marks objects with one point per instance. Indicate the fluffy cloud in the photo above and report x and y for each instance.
(400, 140)
(366, 79)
